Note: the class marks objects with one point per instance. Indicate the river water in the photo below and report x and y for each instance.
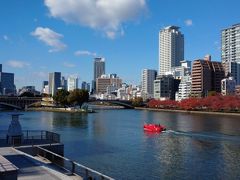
(113, 142)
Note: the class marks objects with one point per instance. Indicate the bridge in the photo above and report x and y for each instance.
(125, 103)
(18, 102)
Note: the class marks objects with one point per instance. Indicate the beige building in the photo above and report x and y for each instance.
(206, 76)
(103, 82)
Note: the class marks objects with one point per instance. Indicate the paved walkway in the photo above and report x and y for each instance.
(33, 168)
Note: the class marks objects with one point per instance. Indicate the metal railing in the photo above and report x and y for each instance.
(30, 137)
(70, 166)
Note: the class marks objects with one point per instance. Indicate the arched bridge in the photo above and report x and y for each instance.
(126, 104)
(18, 102)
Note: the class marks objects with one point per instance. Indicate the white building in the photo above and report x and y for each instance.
(72, 83)
(231, 51)
(228, 86)
(180, 71)
(184, 89)
(148, 77)
(171, 48)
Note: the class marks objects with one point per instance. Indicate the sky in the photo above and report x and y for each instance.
(42, 36)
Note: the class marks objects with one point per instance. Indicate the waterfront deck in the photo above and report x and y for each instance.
(33, 167)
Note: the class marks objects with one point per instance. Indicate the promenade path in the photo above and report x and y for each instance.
(33, 167)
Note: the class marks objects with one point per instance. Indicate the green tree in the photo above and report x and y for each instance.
(78, 97)
(61, 97)
(137, 101)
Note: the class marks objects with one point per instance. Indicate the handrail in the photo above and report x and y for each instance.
(102, 176)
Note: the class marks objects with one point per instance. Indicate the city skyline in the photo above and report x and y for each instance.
(38, 37)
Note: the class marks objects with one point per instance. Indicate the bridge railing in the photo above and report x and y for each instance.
(71, 166)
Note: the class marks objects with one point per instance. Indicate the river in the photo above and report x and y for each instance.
(195, 146)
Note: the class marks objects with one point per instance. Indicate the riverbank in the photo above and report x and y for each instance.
(64, 110)
(190, 112)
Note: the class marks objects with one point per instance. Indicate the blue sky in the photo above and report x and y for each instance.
(38, 37)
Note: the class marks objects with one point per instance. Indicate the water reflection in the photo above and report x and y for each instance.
(113, 142)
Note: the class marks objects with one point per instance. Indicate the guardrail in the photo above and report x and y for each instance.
(70, 166)
(31, 137)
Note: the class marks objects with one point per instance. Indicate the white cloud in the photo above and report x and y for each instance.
(5, 37)
(105, 15)
(188, 22)
(50, 38)
(67, 64)
(84, 53)
(17, 64)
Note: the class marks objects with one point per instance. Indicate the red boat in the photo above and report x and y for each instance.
(154, 127)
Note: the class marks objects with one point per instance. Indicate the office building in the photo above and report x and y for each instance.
(230, 40)
(54, 82)
(104, 81)
(171, 48)
(85, 86)
(228, 86)
(72, 83)
(148, 77)
(206, 77)
(7, 86)
(165, 87)
(99, 69)
(64, 83)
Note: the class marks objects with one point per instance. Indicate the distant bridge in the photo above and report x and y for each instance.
(18, 102)
(126, 104)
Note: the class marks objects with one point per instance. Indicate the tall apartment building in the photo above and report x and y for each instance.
(230, 39)
(105, 81)
(72, 83)
(148, 77)
(206, 76)
(7, 86)
(184, 89)
(171, 48)
(54, 82)
(99, 69)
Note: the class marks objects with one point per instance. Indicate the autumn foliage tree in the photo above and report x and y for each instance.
(210, 103)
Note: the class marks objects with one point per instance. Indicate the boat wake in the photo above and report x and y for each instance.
(205, 135)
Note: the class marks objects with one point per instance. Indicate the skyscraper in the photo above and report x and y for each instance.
(148, 77)
(72, 83)
(231, 51)
(54, 82)
(99, 69)
(171, 48)
(7, 86)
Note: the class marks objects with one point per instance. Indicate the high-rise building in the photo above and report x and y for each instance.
(171, 48)
(206, 76)
(72, 83)
(230, 39)
(54, 82)
(99, 69)
(64, 83)
(86, 86)
(148, 77)
(7, 86)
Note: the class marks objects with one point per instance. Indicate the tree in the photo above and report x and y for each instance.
(137, 101)
(61, 97)
(78, 97)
